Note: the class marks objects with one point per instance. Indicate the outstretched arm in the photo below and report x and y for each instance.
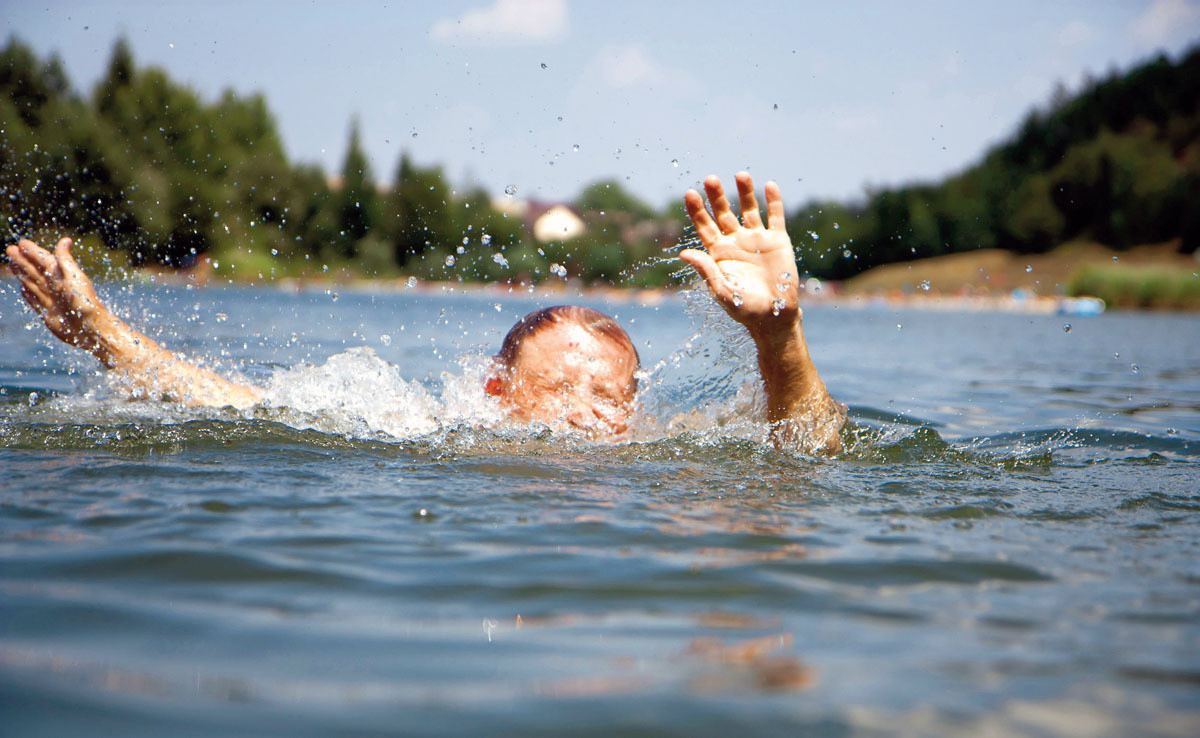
(751, 271)
(55, 286)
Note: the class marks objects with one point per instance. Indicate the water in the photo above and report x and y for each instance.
(1010, 545)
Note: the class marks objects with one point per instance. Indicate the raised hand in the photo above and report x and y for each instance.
(64, 297)
(55, 286)
(750, 269)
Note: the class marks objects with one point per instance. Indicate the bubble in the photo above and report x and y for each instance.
(486, 239)
(777, 305)
(499, 259)
(510, 190)
(737, 300)
(450, 260)
(1066, 328)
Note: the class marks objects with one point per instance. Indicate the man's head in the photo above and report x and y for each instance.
(568, 365)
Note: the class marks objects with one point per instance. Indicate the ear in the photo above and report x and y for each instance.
(493, 386)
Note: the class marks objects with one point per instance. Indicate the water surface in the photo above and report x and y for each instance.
(1009, 545)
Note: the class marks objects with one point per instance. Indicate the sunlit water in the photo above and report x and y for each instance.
(1010, 544)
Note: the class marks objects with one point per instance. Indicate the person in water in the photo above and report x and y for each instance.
(564, 366)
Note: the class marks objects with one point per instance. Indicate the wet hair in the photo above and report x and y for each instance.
(596, 322)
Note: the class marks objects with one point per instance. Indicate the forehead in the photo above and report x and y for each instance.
(571, 350)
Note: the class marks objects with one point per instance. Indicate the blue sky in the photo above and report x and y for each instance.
(826, 98)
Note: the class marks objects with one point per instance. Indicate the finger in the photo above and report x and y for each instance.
(708, 269)
(776, 218)
(706, 229)
(37, 256)
(751, 218)
(25, 270)
(726, 220)
(36, 298)
(66, 261)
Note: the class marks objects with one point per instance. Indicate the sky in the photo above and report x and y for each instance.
(547, 96)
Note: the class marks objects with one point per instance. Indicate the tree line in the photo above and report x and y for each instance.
(1118, 163)
(161, 176)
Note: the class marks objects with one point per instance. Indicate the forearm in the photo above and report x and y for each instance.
(149, 367)
(799, 407)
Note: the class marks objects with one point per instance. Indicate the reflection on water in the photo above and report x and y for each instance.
(1007, 545)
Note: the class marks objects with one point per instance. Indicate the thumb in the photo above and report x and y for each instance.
(703, 263)
(66, 262)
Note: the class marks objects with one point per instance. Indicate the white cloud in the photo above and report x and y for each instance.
(505, 23)
(1076, 33)
(1167, 20)
(630, 67)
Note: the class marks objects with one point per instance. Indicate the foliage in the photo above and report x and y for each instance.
(1137, 286)
(1118, 164)
(158, 175)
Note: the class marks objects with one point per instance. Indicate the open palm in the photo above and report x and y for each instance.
(55, 286)
(750, 268)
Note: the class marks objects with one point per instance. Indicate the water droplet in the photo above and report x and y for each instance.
(836, 226)
(460, 250)
(1114, 258)
(925, 285)
(899, 326)
(777, 305)
(737, 300)
(499, 259)
(385, 339)
(675, 163)
(510, 190)
(575, 147)
(1028, 268)
(450, 260)
(785, 277)
(558, 270)
(334, 297)
(545, 66)
(497, 306)
(1133, 368)
(813, 235)
(776, 107)
(1066, 328)
(412, 282)
(486, 239)
(846, 253)
(466, 240)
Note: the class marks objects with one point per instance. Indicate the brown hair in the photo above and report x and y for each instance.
(594, 321)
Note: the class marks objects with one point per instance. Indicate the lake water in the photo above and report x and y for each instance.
(1010, 546)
